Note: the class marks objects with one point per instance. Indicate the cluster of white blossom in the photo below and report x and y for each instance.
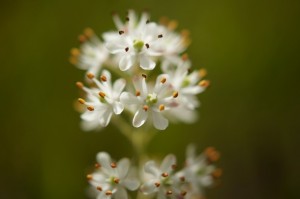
(156, 82)
(112, 179)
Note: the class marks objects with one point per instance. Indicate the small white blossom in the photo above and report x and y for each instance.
(150, 101)
(103, 101)
(92, 54)
(112, 179)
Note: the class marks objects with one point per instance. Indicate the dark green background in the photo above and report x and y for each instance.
(250, 113)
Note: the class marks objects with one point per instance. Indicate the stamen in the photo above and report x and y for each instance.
(81, 101)
(79, 85)
(144, 76)
(147, 45)
(175, 94)
(163, 80)
(73, 60)
(75, 52)
(204, 83)
(160, 36)
(121, 32)
(165, 174)
(101, 94)
(161, 107)
(126, 49)
(182, 178)
(113, 165)
(183, 193)
(148, 21)
(212, 154)
(97, 165)
(90, 108)
(174, 166)
(202, 72)
(90, 75)
(89, 177)
(108, 193)
(145, 107)
(169, 192)
(103, 78)
(217, 173)
(127, 18)
(157, 184)
(172, 25)
(137, 93)
(88, 32)
(99, 188)
(116, 180)
(82, 38)
(185, 57)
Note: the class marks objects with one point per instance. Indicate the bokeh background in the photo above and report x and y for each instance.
(250, 113)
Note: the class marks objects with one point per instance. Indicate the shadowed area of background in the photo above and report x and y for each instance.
(250, 113)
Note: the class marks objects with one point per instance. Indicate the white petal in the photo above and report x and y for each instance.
(115, 47)
(119, 86)
(166, 165)
(128, 98)
(107, 74)
(159, 121)
(123, 167)
(146, 63)
(105, 119)
(89, 116)
(149, 187)
(126, 62)
(121, 193)
(118, 108)
(139, 118)
(105, 160)
(150, 168)
(132, 184)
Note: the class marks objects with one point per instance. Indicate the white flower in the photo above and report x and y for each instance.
(135, 43)
(92, 54)
(112, 179)
(198, 171)
(161, 180)
(150, 101)
(103, 100)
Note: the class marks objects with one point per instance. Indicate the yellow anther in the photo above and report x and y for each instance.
(165, 174)
(116, 180)
(82, 38)
(157, 184)
(90, 108)
(204, 83)
(99, 188)
(217, 173)
(90, 75)
(173, 25)
(79, 84)
(185, 57)
(212, 154)
(145, 107)
(75, 52)
(108, 193)
(89, 177)
(161, 107)
(102, 94)
(137, 93)
(175, 94)
(174, 166)
(202, 72)
(103, 78)
(113, 165)
(81, 101)
(88, 32)
(97, 165)
(169, 192)
(163, 80)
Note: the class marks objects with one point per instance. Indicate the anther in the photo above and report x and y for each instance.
(99, 188)
(90, 75)
(160, 36)
(157, 184)
(163, 80)
(174, 166)
(113, 165)
(183, 193)
(127, 18)
(75, 52)
(116, 180)
(182, 178)
(88, 32)
(101, 94)
(121, 32)
(169, 192)
(204, 83)
(79, 84)
(185, 57)
(144, 76)
(175, 94)
(81, 101)
(89, 177)
(165, 174)
(108, 193)
(137, 93)
(217, 173)
(145, 107)
(212, 154)
(97, 165)
(126, 49)
(103, 78)
(202, 72)
(90, 108)
(147, 45)
(172, 25)
(161, 107)
(82, 38)
(148, 21)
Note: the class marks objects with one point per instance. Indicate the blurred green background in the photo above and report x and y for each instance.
(250, 113)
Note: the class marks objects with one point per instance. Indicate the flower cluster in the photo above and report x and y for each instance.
(113, 179)
(156, 82)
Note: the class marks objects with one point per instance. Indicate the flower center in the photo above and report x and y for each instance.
(151, 99)
(138, 45)
(185, 82)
